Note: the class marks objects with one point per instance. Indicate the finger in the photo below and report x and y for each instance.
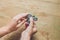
(31, 23)
(21, 20)
(34, 29)
(26, 24)
(19, 16)
(20, 24)
(30, 27)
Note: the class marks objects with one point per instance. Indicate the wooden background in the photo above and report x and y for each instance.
(47, 11)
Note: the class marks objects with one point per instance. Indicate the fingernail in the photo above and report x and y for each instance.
(31, 19)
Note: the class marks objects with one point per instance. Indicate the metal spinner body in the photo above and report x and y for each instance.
(28, 18)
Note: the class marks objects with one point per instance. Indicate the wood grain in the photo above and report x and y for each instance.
(47, 11)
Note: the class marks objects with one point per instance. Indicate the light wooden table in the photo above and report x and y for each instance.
(47, 11)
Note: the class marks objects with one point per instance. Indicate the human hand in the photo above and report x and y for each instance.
(14, 24)
(31, 29)
(17, 21)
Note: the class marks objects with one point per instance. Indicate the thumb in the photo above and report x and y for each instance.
(30, 27)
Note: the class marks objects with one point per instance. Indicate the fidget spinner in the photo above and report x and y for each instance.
(28, 18)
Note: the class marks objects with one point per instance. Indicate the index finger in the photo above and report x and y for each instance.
(31, 22)
(20, 16)
(30, 27)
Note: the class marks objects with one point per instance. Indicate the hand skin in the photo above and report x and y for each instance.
(31, 29)
(13, 24)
